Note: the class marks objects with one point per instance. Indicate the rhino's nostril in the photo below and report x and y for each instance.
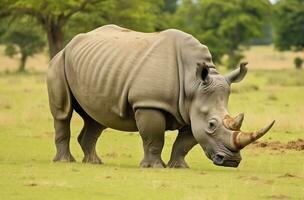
(218, 159)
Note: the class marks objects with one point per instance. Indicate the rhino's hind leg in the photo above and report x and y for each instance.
(61, 108)
(62, 141)
(88, 136)
(182, 145)
(87, 140)
(151, 125)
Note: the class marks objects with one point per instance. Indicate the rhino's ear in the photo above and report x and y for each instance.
(238, 74)
(202, 72)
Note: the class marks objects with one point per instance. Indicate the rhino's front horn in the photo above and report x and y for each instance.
(241, 139)
(233, 123)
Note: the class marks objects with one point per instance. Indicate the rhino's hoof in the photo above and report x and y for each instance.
(64, 158)
(152, 164)
(178, 164)
(92, 160)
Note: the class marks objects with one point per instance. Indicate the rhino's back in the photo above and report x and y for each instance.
(112, 71)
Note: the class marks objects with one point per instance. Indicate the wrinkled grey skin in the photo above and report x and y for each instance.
(165, 81)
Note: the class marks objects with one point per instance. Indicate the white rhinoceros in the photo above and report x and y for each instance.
(147, 82)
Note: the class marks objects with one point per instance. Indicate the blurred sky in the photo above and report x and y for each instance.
(273, 1)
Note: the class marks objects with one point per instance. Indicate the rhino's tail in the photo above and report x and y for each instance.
(60, 100)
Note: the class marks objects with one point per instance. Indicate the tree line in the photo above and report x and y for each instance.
(227, 27)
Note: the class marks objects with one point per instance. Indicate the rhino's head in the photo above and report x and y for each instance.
(215, 130)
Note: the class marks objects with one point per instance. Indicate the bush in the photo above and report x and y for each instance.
(298, 62)
(234, 59)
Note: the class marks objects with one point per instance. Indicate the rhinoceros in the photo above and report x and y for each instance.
(117, 78)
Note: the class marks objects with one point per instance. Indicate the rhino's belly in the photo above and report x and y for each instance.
(105, 111)
(111, 120)
(103, 97)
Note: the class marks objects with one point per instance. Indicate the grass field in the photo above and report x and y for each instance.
(27, 148)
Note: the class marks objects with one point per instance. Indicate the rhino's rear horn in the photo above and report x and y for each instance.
(233, 123)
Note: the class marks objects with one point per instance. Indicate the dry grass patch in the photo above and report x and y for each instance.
(266, 57)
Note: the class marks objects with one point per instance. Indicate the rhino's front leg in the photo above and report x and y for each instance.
(151, 124)
(182, 145)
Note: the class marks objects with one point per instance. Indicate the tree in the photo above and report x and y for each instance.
(23, 37)
(167, 13)
(54, 15)
(133, 14)
(289, 29)
(170, 6)
(224, 26)
(51, 15)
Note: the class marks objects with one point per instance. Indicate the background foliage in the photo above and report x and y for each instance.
(289, 25)
(226, 27)
(21, 36)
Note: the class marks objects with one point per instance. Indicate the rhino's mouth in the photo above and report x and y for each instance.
(224, 160)
(224, 157)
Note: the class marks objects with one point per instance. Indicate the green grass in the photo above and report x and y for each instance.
(27, 148)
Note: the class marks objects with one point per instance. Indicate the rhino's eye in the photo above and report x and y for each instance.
(212, 125)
